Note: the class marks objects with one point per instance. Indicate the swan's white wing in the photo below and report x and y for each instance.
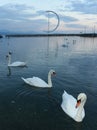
(35, 81)
(68, 104)
(39, 82)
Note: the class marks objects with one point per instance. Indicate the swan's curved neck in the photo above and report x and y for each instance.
(49, 80)
(78, 116)
(9, 59)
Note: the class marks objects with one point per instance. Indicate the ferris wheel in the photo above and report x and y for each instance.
(50, 29)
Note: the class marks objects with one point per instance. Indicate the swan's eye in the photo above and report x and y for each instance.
(54, 73)
(78, 101)
(10, 53)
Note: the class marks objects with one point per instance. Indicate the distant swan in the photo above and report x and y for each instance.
(72, 107)
(37, 82)
(16, 63)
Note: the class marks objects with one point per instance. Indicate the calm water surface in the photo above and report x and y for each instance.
(28, 108)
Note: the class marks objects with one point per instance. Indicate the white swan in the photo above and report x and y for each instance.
(37, 82)
(14, 64)
(72, 107)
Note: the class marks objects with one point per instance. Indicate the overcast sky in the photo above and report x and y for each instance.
(29, 16)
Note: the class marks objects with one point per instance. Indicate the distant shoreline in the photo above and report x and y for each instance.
(45, 35)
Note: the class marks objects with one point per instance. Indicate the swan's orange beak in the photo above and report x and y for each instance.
(78, 103)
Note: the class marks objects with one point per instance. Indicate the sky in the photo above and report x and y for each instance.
(32, 16)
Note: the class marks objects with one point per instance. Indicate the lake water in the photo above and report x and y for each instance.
(23, 107)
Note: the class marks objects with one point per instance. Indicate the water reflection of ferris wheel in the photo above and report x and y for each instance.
(51, 14)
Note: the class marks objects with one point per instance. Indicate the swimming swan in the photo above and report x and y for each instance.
(14, 64)
(37, 82)
(72, 107)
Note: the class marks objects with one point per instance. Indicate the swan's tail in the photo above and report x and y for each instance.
(65, 92)
(24, 80)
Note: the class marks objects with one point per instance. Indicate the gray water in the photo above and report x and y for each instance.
(23, 107)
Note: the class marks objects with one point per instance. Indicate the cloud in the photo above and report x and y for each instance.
(75, 25)
(47, 14)
(81, 6)
(21, 18)
(86, 6)
(67, 18)
(14, 12)
(27, 17)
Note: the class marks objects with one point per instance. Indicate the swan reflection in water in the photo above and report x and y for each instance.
(9, 71)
